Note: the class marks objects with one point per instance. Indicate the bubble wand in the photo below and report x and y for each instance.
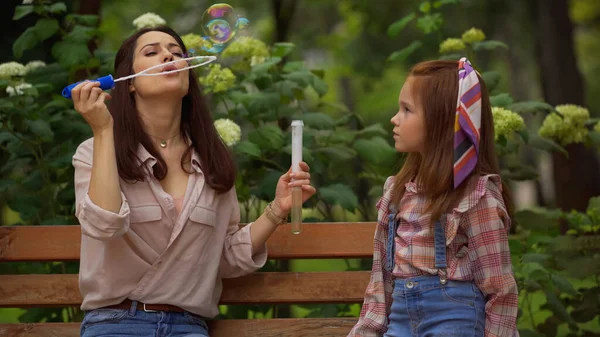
(108, 82)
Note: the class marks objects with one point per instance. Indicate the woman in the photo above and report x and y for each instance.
(156, 201)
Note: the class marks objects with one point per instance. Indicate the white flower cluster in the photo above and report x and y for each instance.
(148, 20)
(17, 90)
(10, 69)
(228, 131)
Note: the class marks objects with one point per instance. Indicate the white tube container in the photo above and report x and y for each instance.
(297, 127)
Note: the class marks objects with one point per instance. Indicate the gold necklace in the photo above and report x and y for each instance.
(163, 142)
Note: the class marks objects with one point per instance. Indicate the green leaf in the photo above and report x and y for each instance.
(43, 29)
(302, 77)
(264, 67)
(248, 148)
(373, 129)
(430, 22)
(22, 11)
(27, 40)
(563, 284)
(440, 3)
(6, 184)
(339, 194)
(338, 107)
(450, 57)
(546, 144)
(530, 333)
(58, 7)
(395, 28)
(491, 79)
(86, 20)
(41, 128)
(81, 34)
(502, 100)
(34, 181)
(402, 54)
(524, 135)
(425, 7)
(282, 49)
(557, 307)
(536, 219)
(46, 28)
(293, 66)
(536, 257)
(320, 86)
(6, 136)
(268, 136)
(336, 153)
(26, 205)
(317, 120)
(593, 203)
(489, 45)
(531, 107)
(69, 53)
(56, 221)
(376, 150)
(522, 173)
(266, 189)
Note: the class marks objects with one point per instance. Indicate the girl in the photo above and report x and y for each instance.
(441, 265)
(156, 200)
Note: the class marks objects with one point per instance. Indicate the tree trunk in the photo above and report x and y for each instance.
(283, 12)
(575, 178)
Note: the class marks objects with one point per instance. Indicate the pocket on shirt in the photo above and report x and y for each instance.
(145, 213)
(203, 216)
(198, 235)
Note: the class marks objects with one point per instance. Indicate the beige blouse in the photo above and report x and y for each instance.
(151, 252)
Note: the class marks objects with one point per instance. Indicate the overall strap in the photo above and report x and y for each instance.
(390, 244)
(440, 251)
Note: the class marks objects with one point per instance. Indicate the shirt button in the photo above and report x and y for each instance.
(410, 284)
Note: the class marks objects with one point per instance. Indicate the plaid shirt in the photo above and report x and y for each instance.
(477, 250)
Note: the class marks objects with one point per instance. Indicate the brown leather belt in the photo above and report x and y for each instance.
(126, 304)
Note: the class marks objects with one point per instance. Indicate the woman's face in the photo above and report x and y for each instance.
(154, 48)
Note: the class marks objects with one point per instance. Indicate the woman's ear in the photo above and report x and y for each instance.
(131, 86)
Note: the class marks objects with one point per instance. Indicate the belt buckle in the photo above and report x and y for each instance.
(148, 310)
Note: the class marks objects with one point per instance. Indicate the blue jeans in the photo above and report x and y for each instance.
(130, 323)
(424, 307)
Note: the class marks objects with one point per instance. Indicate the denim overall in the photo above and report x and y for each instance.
(428, 306)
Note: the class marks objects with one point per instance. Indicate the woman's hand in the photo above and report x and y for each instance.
(283, 193)
(89, 102)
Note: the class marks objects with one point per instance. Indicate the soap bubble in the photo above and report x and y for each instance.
(220, 25)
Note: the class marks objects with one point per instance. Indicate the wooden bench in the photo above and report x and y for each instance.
(317, 241)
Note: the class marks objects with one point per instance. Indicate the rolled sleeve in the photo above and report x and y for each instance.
(101, 224)
(238, 258)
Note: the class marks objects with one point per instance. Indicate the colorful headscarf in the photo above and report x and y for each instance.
(467, 122)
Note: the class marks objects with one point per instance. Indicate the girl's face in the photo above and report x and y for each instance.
(409, 121)
(154, 48)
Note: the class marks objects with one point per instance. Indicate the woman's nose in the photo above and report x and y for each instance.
(168, 57)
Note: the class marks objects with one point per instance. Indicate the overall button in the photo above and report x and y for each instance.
(410, 284)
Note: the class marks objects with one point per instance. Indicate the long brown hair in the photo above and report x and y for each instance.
(436, 88)
(196, 125)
